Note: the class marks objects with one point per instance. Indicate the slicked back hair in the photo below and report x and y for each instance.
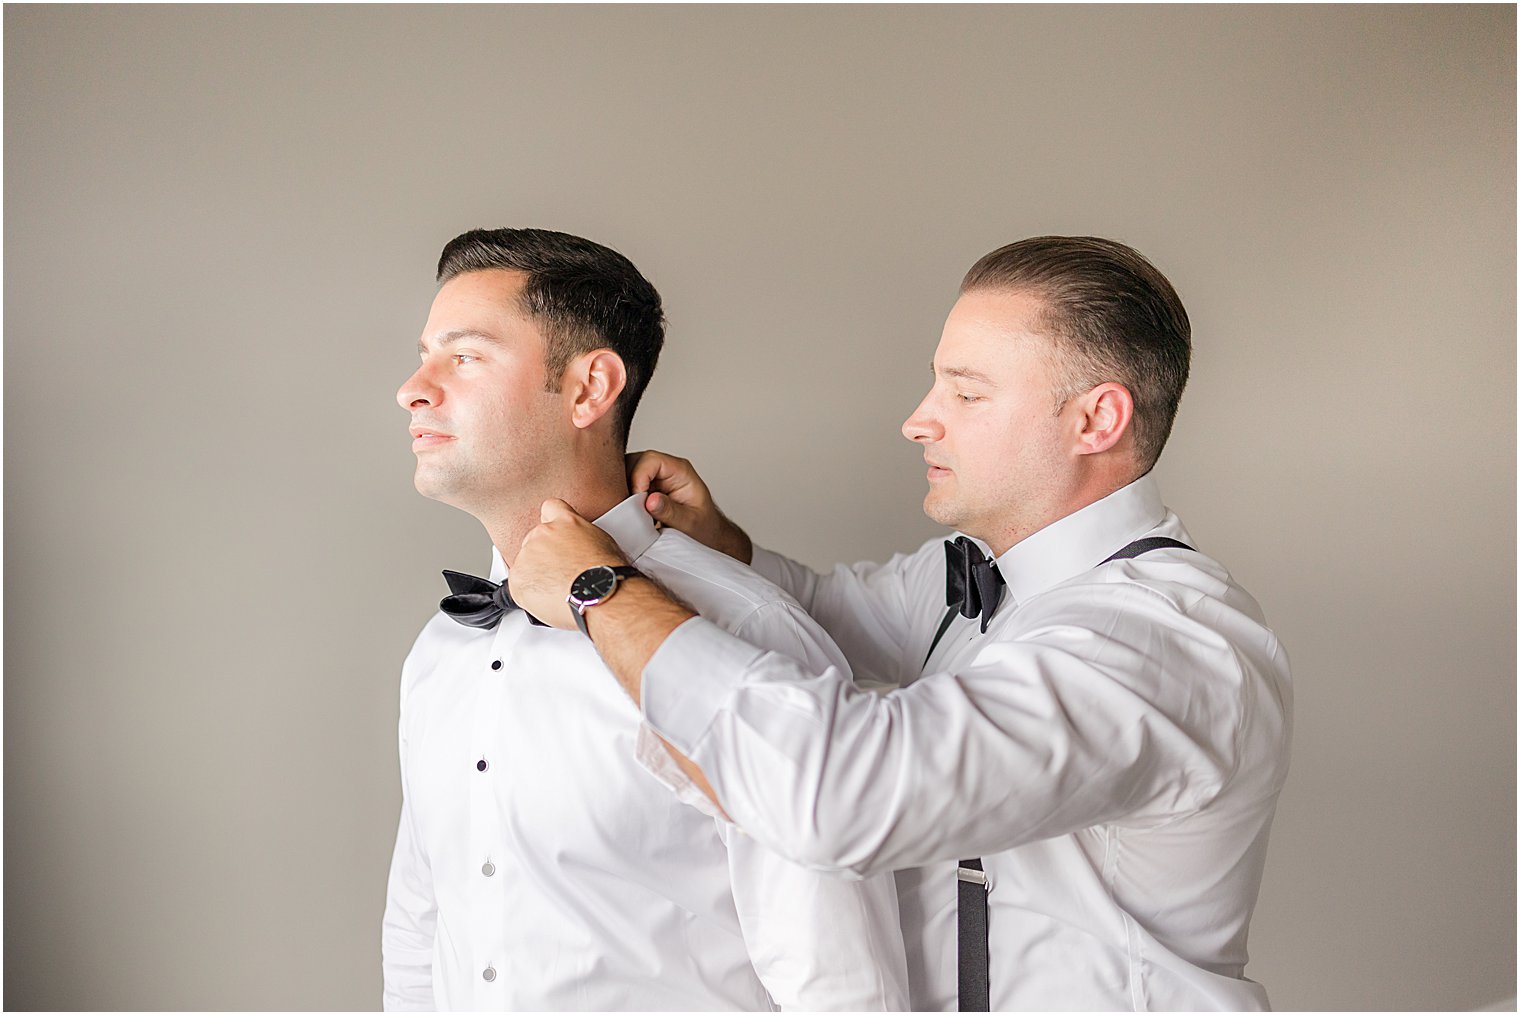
(1111, 315)
(583, 295)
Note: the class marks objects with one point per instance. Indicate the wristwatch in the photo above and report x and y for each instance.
(595, 585)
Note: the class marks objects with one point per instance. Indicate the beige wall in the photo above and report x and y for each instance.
(219, 229)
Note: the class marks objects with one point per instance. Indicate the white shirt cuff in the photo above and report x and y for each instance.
(690, 678)
(651, 754)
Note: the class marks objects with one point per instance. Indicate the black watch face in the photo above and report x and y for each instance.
(593, 585)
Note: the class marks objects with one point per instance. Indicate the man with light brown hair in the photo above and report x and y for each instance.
(1077, 772)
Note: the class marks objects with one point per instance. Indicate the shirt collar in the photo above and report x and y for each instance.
(627, 523)
(1082, 540)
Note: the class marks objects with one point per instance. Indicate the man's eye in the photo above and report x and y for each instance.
(464, 357)
(968, 399)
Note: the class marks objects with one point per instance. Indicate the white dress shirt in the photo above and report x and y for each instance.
(1113, 748)
(538, 866)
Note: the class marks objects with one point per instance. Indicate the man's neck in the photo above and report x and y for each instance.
(590, 494)
(1021, 529)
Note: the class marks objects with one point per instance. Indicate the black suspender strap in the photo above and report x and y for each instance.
(975, 978)
(944, 625)
(975, 986)
(1146, 545)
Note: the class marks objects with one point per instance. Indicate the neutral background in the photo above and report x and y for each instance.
(220, 227)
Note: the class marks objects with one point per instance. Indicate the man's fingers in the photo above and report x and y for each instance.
(638, 466)
(663, 510)
(554, 510)
(655, 471)
(650, 470)
(643, 467)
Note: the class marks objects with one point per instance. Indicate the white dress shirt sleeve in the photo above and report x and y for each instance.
(1054, 727)
(406, 942)
(867, 608)
(818, 942)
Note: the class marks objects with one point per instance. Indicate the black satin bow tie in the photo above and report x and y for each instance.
(478, 602)
(972, 582)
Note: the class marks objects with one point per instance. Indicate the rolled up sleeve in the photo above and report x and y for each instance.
(692, 677)
(1055, 730)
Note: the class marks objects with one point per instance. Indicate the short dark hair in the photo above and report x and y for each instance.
(585, 296)
(1113, 317)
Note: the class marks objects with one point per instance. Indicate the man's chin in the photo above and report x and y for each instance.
(435, 487)
(940, 511)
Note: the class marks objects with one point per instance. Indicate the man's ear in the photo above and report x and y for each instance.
(1103, 416)
(593, 381)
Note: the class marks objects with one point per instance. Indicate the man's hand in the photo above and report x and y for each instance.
(677, 497)
(562, 546)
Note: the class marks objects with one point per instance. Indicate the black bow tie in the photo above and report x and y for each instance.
(972, 582)
(477, 602)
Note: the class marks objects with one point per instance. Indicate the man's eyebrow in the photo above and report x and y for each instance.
(966, 373)
(458, 335)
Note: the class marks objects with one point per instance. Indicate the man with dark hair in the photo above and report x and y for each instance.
(537, 865)
(583, 295)
(1077, 772)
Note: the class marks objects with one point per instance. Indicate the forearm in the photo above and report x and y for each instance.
(627, 630)
(631, 626)
(733, 540)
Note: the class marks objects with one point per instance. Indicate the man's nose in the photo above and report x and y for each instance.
(922, 426)
(418, 390)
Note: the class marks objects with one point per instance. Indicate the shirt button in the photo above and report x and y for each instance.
(488, 974)
(481, 766)
(495, 664)
(488, 868)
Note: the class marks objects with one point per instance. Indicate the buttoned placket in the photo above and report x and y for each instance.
(487, 836)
